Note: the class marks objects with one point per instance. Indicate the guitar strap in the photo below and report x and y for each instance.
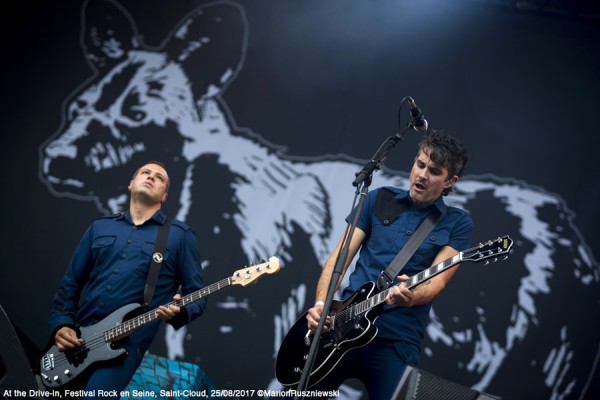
(157, 259)
(387, 276)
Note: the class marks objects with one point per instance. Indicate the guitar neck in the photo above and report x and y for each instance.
(126, 327)
(432, 271)
(492, 249)
(413, 281)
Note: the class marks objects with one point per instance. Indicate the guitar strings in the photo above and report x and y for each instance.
(349, 313)
(101, 338)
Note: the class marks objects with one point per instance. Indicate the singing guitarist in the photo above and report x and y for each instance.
(113, 259)
(438, 165)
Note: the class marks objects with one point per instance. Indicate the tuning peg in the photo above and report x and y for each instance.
(486, 262)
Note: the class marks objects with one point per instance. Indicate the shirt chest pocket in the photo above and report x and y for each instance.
(437, 238)
(102, 246)
(431, 245)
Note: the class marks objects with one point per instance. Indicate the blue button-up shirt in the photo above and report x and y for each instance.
(113, 259)
(382, 244)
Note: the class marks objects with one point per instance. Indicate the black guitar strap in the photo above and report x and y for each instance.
(157, 259)
(387, 276)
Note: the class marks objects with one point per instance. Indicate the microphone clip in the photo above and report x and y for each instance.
(418, 122)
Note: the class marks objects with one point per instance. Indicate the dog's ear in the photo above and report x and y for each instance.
(209, 44)
(108, 33)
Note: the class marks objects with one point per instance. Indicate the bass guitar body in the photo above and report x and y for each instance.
(65, 369)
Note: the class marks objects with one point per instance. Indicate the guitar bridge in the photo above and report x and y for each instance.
(48, 362)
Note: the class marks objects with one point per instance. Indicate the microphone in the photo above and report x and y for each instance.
(418, 121)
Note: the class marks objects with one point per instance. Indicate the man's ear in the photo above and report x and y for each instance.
(450, 182)
(129, 186)
(164, 197)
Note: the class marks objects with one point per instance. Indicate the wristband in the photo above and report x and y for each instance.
(319, 303)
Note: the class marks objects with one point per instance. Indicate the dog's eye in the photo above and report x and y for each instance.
(138, 116)
(132, 108)
(134, 114)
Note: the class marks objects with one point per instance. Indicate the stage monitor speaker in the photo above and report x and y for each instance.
(15, 366)
(417, 384)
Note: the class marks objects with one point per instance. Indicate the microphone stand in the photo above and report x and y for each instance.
(362, 182)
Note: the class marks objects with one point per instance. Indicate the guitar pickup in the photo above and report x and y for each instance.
(48, 362)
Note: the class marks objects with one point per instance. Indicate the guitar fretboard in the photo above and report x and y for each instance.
(491, 249)
(126, 327)
(413, 281)
(373, 301)
(433, 271)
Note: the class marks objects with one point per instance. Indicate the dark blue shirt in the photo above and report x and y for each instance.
(382, 244)
(113, 259)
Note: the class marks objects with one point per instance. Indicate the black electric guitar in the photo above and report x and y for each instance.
(352, 320)
(59, 368)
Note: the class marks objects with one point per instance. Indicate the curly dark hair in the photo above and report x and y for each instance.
(446, 151)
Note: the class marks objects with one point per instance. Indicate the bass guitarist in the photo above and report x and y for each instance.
(109, 269)
(379, 365)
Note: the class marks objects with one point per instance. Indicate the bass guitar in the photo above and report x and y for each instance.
(58, 368)
(353, 319)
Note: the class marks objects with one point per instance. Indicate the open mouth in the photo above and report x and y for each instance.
(76, 161)
(105, 155)
(420, 187)
(74, 158)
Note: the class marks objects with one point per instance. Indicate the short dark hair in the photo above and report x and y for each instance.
(446, 151)
(160, 164)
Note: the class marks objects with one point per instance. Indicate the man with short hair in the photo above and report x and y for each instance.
(112, 262)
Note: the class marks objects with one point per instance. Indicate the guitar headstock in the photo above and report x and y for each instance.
(249, 274)
(492, 249)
